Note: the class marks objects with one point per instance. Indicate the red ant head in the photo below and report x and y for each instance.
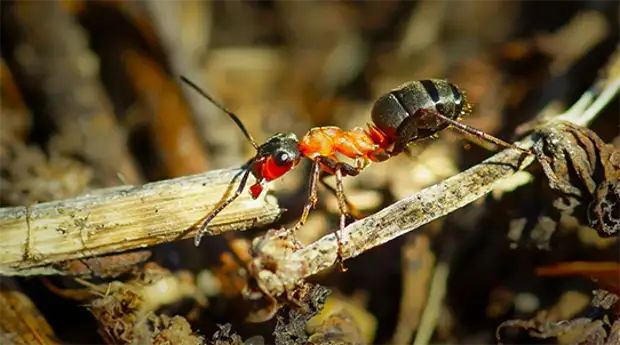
(273, 159)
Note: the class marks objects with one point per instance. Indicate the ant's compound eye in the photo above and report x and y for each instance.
(282, 158)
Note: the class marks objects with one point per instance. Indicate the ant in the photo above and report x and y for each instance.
(411, 112)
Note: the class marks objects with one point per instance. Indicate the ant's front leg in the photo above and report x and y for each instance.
(202, 230)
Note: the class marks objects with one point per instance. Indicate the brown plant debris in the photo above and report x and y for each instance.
(180, 147)
(270, 276)
(106, 266)
(155, 285)
(125, 311)
(338, 328)
(15, 117)
(226, 336)
(21, 322)
(605, 273)
(167, 20)
(67, 73)
(291, 328)
(230, 275)
(30, 176)
(347, 312)
(591, 329)
(585, 174)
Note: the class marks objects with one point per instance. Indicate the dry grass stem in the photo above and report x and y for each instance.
(113, 220)
(432, 310)
(418, 263)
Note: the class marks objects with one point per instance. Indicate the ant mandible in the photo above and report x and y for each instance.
(414, 111)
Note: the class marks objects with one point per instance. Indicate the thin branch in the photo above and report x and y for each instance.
(440, 199)
(123, 218)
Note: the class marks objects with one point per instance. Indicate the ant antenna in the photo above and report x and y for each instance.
(221, 107)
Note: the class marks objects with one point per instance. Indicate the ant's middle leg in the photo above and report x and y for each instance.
(332, 165)
(343, 215)
(312, 195)
(353, 211)
(338, 168)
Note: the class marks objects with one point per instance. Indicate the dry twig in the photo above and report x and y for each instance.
(119, 219)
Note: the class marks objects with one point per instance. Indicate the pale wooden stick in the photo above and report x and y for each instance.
(116, 219)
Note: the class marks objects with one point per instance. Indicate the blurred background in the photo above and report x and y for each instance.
(91, 98)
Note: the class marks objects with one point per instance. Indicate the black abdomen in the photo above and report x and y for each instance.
(416, 102)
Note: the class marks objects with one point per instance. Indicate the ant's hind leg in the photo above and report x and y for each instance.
(404, 134)
(481, 135)
(353, 211)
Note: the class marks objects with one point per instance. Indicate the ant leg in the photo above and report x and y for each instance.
(480, 134)
(338, 168)
(353, 211)
(343, 215)
(404, 133)
(333, 165)
(203, 227)
(312, 195)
